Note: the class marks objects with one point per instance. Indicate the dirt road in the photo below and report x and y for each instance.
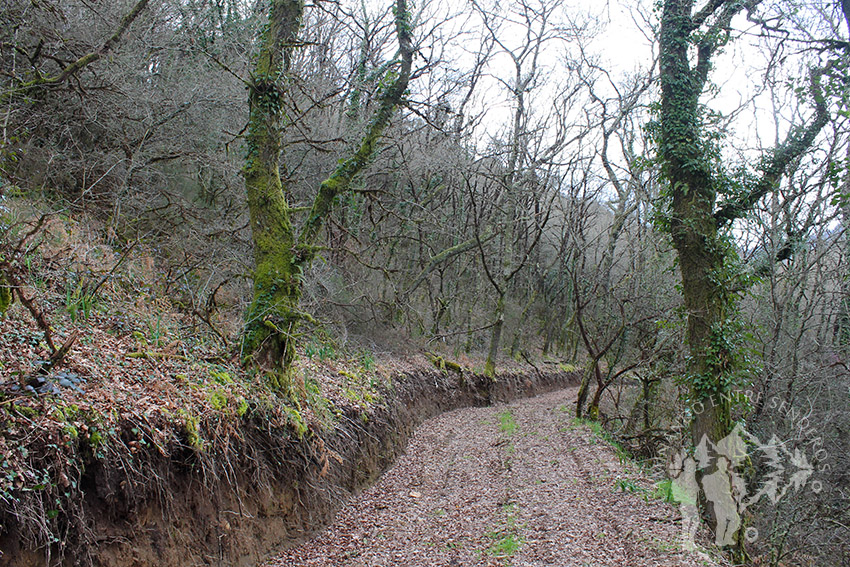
(517, 484)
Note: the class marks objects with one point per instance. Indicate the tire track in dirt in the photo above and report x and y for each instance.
(472, 491)
(585, 490)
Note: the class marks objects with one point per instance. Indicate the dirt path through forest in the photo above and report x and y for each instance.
(514, 484)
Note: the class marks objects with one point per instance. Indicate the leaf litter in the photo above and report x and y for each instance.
(469, 492)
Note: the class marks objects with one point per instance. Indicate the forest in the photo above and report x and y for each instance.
(651, 195)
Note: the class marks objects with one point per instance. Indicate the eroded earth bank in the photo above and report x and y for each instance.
(228, 488)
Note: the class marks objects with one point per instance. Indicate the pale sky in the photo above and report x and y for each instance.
(622, 41)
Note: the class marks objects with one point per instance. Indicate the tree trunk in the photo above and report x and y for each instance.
(272, 315)
(520, 327)
(688, 41)
(281, 254)
(495, 337)
(692, 191)
(593, 407)
(842, 320)
(584, 387)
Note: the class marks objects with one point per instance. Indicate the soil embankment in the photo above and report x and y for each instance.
(279, 490)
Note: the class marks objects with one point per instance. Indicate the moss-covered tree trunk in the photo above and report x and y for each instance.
(495, 337)
(281, 251)
(272, 315)
(590, 373)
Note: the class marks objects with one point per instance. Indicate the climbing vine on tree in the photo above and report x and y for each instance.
(702, 199)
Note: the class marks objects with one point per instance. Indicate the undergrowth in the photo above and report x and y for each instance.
(149, 387)
(663, 490)
(599, 432)
(142, 387)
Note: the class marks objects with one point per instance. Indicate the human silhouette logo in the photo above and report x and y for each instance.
(725, 489)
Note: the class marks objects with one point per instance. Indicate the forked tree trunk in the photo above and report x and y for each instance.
(689, 39)
(281, 253)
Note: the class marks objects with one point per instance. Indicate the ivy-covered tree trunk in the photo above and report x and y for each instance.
(694, 174)
(688, 167)
(281, 251)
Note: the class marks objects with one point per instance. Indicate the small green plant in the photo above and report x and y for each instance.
(358, 395)
(296, 420)
(193, 435)
(628, 485)
(602, 434)
(506, 539)
(157, 333)
(95, 439)
(34, 273)
(72, 433)
(667, 491)
(221, 376)
(320, 405)
(367, 362)
(78, 302)
(507, 423)
(321, 350)
(668, 546)
(24, 411)
(218, 400)
(664, 491)
(5, 294)
(505, 544)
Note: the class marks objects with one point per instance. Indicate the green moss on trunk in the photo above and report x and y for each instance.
(280, 253)
(495, 338)
(271, 320)
(5, 295)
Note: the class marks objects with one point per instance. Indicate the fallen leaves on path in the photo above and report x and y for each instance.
(518, 484)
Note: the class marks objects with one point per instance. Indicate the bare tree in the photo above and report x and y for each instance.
(520, 200)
